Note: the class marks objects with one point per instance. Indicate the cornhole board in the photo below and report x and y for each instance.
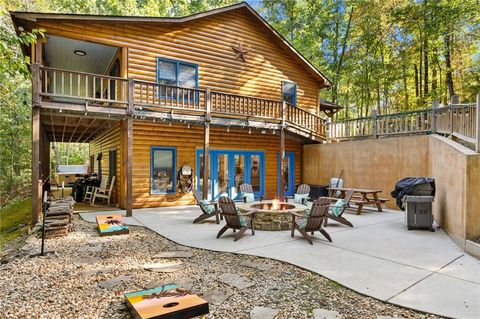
(165, 302)
(111, 225)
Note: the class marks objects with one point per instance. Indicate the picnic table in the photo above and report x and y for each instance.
(361, 197)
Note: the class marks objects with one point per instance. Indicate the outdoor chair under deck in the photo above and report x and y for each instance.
(312, 220)
(208, 209)
(301, 195)
(234, 219)
(338, 209)
(246, 190)
(104, 193)
(90, 191)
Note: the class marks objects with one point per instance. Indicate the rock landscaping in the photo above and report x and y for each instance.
(88, 274)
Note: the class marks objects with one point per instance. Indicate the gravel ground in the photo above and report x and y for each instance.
(69, 283)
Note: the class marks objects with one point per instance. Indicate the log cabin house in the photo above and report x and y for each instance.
(153, 96)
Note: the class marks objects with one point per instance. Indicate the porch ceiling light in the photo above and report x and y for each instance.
(80, 52)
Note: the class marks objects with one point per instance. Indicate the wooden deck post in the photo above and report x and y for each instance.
(454, 100)
(206, 144)
(477, 127)
(128, 158)
(375, 124)
(434, 116)
(281, 194)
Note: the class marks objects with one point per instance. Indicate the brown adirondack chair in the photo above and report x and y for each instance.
(247, 188)
(235, 220)
(312, 223)
(339, 218)
(205, 214)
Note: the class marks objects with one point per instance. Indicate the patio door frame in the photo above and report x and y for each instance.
(290, 191)
(231, 170)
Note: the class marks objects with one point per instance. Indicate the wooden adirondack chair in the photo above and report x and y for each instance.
(303, 189)
(205, 214)
(339, 218)
(247, 188)
(91, 190)
(312, 223)
(235, 220)
(104, 193)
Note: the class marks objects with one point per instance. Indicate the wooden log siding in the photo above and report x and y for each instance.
(187, 141)
(206, 42)
(103, 143)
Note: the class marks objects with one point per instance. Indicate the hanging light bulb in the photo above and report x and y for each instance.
(249, 131)
(153, 120)
(188, 125)
(228, 129)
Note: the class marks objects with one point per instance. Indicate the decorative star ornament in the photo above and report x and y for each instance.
(240, 52)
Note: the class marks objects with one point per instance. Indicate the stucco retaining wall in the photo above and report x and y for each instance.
(380, 163)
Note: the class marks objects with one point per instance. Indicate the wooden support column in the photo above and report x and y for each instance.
(206, 145)
(281, 194)
(128, 158)
(375, 124)
(36, 89)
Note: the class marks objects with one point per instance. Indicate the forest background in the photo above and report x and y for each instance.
(385, 55)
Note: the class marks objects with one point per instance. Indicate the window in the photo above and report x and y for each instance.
(163, 168)
(176, 73)
(289, 92)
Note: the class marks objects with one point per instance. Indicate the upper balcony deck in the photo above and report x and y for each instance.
(87, 93)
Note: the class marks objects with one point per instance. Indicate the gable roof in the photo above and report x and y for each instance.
(32, 17)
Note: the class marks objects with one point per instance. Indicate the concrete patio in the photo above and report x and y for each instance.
(378, 257)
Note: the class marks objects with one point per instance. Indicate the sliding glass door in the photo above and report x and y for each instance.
(229, 169)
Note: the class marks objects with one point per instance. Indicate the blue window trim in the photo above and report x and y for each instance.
(174, 167)
(177, 69)
(291, 177)
(294, 91)
(232, 153)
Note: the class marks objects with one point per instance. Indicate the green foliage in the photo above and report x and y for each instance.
(11, 216)
(371, 48)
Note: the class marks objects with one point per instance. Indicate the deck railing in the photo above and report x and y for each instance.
(57, 85)
(461, 121)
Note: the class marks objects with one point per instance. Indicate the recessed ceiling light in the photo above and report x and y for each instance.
(80, 52)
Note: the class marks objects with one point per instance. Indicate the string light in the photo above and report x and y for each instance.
(249, 131)
(228, 129)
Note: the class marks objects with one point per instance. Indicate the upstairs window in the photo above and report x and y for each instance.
(289, 92)
(176, 73)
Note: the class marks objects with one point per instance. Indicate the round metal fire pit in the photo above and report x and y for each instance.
(272, 216)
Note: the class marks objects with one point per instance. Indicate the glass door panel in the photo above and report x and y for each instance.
(288, 173)
(255, 173)
(221, 175)
(200, 175)
(239, 173)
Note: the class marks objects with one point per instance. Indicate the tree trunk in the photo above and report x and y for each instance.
(416, 80)
(405, 87)
(448, 65)
(425, 67)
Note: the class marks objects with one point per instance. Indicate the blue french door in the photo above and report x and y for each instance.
(288, 173)
(229, 169)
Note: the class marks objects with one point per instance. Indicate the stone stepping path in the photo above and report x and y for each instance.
(88, 261)
(113, 282)
(258, 266)
(326, 314)
(174, 254)
(234, 280)
(263, 313)
(163, 267)
(216, 297)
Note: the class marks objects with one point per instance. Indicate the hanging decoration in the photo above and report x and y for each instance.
(240, 52)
